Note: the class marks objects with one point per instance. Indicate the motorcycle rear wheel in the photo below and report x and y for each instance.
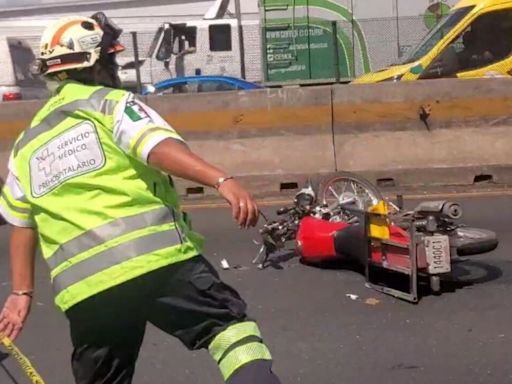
(473, 241)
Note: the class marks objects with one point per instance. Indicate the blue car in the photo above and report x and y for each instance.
(195, 84)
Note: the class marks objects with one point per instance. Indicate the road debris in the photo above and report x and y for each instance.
(224, 264)
(352, 296)
(372, 301)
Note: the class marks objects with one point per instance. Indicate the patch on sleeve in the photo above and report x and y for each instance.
(135, 111)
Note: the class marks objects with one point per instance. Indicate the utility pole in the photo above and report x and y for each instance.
(353, 22)
(399, 50)
(137, 61)
(238, 14)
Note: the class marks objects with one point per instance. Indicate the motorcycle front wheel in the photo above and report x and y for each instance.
(342, 186)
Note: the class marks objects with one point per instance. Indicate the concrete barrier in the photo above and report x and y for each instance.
(272, 132)
(428, 132)
(15, 116)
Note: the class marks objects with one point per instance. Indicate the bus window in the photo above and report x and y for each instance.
(220, 37)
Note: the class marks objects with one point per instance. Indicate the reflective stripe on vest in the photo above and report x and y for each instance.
(109, 231)
(96, 102)
(7, 199)
(114, 256)
(142, 137)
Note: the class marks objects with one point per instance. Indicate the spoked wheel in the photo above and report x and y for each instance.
(343, 186)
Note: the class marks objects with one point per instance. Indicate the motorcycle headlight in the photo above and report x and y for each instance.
(305, 198)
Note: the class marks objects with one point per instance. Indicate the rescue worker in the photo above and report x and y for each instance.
(88, 182)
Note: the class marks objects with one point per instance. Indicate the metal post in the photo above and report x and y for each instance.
(399, 50)
(136, 59)
(238, 14)
(336, 52)
(353, 21)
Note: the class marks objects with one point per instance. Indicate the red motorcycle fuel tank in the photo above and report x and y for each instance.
(315, 238)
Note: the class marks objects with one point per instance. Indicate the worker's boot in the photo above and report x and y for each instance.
(256, 372)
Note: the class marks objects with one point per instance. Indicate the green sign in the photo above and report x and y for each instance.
(302, 52)
(435, 13)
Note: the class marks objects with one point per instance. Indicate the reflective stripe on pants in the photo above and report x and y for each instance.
(238, 345)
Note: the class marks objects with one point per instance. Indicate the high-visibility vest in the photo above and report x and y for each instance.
(102, 218)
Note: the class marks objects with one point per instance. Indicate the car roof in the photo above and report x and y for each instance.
(480, 3)
(185, 79)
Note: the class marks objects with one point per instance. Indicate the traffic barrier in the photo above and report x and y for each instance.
(424, 132)
(271, 132)
(15, 116)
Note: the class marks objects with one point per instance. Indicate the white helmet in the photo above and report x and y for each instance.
(76, 42)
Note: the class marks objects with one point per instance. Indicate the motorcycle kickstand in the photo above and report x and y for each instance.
(262, 252)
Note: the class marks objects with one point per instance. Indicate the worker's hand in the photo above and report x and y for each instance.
(245, 210)
(13, 315)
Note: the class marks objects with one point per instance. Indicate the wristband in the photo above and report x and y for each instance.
(222, 180)
(23, 293)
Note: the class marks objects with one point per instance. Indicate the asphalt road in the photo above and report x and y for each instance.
(317, 334)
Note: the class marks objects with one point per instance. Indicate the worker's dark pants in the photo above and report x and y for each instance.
(187, 300)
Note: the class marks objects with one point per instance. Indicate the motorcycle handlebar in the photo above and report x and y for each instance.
(284, 210)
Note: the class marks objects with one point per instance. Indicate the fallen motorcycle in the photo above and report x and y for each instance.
(348, 219)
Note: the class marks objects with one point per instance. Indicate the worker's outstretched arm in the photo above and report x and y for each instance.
(17, 306)
(174, 158)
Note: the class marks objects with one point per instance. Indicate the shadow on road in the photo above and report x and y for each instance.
(465, 273)
(276, 261)
(468, 273)
(3, 357)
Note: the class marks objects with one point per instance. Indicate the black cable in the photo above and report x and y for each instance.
(263, 215)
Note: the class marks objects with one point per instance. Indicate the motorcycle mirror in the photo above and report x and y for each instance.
(400, 202)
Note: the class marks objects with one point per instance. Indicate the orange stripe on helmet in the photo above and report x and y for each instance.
(62, 30)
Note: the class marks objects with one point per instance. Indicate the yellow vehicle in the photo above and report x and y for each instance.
(474, 40)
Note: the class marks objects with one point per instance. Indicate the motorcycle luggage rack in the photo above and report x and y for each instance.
(384, 270)
(410, 290)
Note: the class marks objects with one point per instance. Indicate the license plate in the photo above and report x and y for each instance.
(437, 249)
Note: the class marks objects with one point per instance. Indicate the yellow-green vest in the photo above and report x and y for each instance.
(102, 219)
